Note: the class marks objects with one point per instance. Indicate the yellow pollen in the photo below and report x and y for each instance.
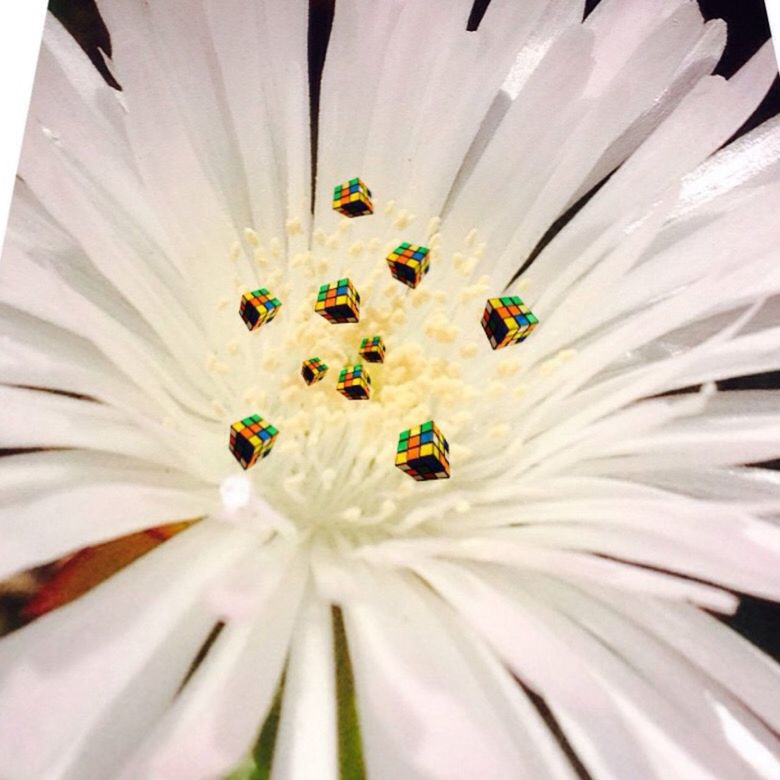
(275, 247)
(398, 317)
(352, 514)
(251, 237)
(468, 265)
(419, 296)
(496, 389)
(498, 431)
(439, 328)
(404, 219)
(274, 278)
(454, 370)
(249, 395)
(468, 349)
(235, 251)
(214, 366)
(389, 207)
(460, 418)
(476, 290)
(434, 223)
(471, 237)
(293, 226)
(508, 366)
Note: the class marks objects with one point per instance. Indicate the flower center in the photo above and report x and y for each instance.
(332, 468)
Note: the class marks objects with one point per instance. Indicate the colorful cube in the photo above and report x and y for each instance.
(258, 307)
(251, 439)
(313, 370)
(372, 349)
(352, 198)
(507, 321)
(409, 263)
(423, 453)
(354, 383)
(338, 302)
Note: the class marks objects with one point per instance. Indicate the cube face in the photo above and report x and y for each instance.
(372, 349)
(354, 383)
(423, 453)
(338, 302)
(409, 263)
(352, 198)
(313, 370)
(507, 320)
(258, 307)
(251, 439)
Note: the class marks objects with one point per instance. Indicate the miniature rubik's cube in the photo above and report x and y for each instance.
(507, 321)
(258, 307)
(251, 439)
(354, 383)
(313, 370)
(409, 263)
(338, 302)
(352, 198)
(373, 349)
(423, 453)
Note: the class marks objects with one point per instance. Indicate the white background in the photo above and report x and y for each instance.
(21, 23)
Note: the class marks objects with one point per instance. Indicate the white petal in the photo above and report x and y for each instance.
(560, 563)
(194, 216)
(704, 120)
(37, 354)
(80, 687)
(673, 678)
(213, 722)
(306, 746)
(411, 678)
(50, 524)
(42, 419)
(549, 665)
(735, 663)
(752, 158)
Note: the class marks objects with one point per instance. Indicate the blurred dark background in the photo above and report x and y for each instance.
(748, 29)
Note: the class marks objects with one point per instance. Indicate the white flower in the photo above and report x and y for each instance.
(539, 614)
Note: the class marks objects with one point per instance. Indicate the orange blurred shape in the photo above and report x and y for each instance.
(81, 571)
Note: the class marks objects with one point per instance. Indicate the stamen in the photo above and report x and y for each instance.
(358, 492)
